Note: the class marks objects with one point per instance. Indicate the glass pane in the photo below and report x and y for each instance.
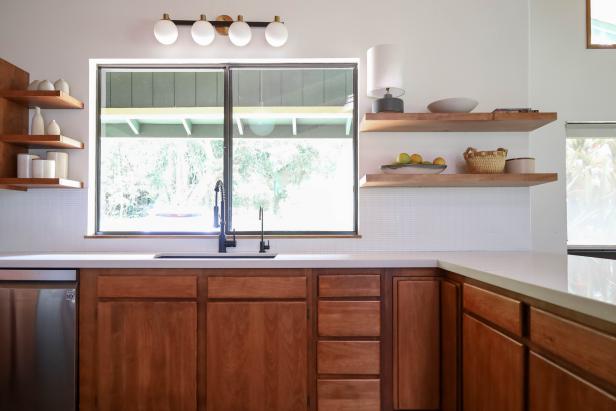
(161, 149)
(603, 22)
(293, 150)
(591, 191)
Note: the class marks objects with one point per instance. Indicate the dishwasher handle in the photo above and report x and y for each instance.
(37, 275)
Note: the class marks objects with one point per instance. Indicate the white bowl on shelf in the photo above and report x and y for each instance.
(453, 105)
(412, 169)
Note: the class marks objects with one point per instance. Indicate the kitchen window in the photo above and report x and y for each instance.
(281, 137)
(601, 23)
(591, 186)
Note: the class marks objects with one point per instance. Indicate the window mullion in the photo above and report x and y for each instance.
(228, 145)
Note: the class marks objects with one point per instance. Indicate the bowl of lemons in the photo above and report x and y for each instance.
(414, 164)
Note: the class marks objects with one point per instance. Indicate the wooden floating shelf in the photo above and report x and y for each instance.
(42, 99)
(456, 180)
(24, 184)
(42, 141)
(455, 122)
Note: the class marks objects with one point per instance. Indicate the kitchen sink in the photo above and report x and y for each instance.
(214, 255)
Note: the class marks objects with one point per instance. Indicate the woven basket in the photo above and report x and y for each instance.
(485, 162)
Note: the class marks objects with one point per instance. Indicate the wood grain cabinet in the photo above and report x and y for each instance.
(257, 356)
(493, 369)
(138, 341)
(552, 388)
(416, 344)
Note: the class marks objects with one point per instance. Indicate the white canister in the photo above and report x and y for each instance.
(61, 160)
(522, 165)
(45, 85)
(24, 165)
(62, 85)
(43, 168)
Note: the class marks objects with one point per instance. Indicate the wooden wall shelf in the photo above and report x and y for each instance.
(23, 184)
(455, 122)
(42, 141)
(42, 99)
(456, 180)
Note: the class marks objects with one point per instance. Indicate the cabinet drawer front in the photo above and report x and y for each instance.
(498, 309)
(555, 389)
(589, 349)
(349, 395)
(257, 287)
(349, 318)
(349, 286)
(154, 286)
(348, 357)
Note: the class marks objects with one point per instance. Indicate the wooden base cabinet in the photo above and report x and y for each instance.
(257, 356)
(552, 388)
(416, 344)
(137, 341)
(493, 369)
(147, 356)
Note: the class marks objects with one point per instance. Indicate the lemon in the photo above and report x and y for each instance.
(403, 158)
(416, 159)
(439, 161)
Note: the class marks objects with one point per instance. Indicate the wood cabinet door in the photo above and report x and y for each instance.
(552, 388)
(147, 356)
(492, 368)
(257, 356)
(450, 343)
(416, 345)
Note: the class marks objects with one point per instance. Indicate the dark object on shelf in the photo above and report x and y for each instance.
(388, 104)
(515, 110)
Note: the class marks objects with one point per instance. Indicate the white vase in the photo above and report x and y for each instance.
(62, 85)
(53, 128)
(38, 123)
(45, 85)
(34, 85)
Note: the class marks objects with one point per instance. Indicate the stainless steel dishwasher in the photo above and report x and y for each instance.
(37, 340)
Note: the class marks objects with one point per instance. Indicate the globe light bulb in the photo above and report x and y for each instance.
(165, 30)
(203, 32)
(276, 33)
(240, 33)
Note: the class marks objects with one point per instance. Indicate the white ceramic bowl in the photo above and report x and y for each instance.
(453, 105)
(412, 169)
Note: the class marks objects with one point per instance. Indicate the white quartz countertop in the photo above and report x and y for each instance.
(586, 285)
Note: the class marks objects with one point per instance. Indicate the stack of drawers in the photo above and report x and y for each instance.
(348, 347)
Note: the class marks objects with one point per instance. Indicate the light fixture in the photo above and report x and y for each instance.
(165, 30)
(239, 32)
(203, 32)
(276, 33)
(385, 63)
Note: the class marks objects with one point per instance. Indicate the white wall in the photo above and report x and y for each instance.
(476, 48)
(578, 83)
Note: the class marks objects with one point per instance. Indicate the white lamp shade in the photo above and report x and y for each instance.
(276, 34)
(203, 32)
(165, 32)
(240, 33)
(385, 63)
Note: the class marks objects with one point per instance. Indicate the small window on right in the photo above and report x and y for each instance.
(601, 24)
(591, 186)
